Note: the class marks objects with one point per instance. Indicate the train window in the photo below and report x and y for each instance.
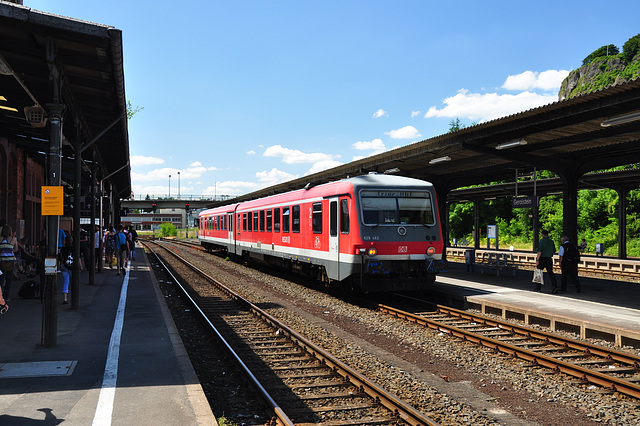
(316, 219)
(285, 219)
(295, 219)
(269, 220)
(276, 220)
(244, 221)
(261, 220)
(333, 218)
(402, 207)
(249, 221)
(255, 221)
(344, 216)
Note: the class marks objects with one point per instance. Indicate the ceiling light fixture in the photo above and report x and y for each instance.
(389, 171)
(440, 159)
(513, 144)
(621, 120)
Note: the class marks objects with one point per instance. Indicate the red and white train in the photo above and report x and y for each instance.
(376, 232)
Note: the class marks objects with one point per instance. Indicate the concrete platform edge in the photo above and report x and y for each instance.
(197, 398)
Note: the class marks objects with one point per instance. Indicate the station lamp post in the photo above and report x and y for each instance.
(169, 196)
(178, 185)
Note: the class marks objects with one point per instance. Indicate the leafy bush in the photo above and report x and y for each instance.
(168, 230)
(631, 48)
(608, 50)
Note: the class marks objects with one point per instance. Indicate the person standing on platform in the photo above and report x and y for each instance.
(7, 262)
(65, 260)
(121, 248)
(544, 260)
(84, 250)
(569, 258)
(96, 246)
(134, 238)
(4, 307)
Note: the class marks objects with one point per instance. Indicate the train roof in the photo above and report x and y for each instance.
(356, 182)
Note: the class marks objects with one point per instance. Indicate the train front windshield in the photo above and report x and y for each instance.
(397, 207)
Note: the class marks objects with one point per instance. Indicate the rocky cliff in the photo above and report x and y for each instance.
(600, 73)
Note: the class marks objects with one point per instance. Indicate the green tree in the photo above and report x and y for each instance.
(131, 111)
(455, 125)
(631, 48)
(608, 50)
(168, 230)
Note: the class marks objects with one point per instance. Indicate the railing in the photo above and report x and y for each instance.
(182, 197)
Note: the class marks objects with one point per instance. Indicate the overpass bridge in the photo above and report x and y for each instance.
(167, 203)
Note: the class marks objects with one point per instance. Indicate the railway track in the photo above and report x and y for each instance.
(592, 364)
(299, 382)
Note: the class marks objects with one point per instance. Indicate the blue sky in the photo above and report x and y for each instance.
(240, 95)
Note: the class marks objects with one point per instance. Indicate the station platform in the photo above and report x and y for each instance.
(119, 359)
(606, 309)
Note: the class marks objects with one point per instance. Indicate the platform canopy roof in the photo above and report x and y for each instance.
(591, 132)
(88, 58)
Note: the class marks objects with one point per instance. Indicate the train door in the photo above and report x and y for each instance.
(232, 240)
(334, 248)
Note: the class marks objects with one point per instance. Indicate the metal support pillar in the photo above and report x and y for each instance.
(92, 228)
(536, 224)
(476, 224)
(75, 275)
(570, 205)
(50, 306)
(622, 222)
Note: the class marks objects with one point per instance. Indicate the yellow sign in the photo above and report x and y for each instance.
(52, 201)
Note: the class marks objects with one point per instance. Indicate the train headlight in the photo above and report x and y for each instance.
(431, 251)
(372, 251)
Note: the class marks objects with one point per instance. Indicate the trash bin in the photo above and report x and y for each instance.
(599, 249)
(470, 259)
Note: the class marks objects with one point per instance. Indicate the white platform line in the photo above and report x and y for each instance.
(104, 410)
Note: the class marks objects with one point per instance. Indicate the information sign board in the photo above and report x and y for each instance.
(52, 201)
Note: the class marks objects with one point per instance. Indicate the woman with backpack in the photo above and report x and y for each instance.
(122, 249)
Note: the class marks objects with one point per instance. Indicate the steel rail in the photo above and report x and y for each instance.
(400, 408)
(589, 348)
(280, 416)
(614, 383)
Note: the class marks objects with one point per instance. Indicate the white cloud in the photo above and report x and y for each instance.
(294, 156)
(529, 80)
(476, 106)
(380, 113)
(141, 160)
(415, 114)
(407, 132)
(273, 177)
(251, 152)
(231, 188)
(193, 171)
(323, 165)
(375, 144)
